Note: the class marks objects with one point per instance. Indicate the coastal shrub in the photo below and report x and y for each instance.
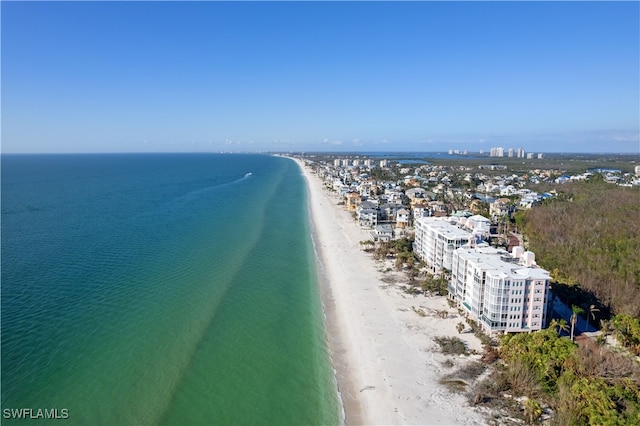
(592, 401)
(627, 331)
(600, 361)
(437, 286)
(544, 351)
(489, 355)
(532, 410)
(451, 345)
(523, 379)
(471, 370)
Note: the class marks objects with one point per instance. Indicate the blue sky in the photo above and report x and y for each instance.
(360, 76)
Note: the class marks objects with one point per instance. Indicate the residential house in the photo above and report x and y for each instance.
(402, 218)
(353, 201)
(382, 233)
(368, 213)
(420, 210)
(500, 207)
(389, 211)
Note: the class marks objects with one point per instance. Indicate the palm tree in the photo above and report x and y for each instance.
(563, 326)
(577, 310)
(560, 325)
(591, 311)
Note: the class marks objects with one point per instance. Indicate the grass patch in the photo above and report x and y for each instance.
(451, 345)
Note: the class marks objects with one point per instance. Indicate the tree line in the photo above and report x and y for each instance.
(589, 238)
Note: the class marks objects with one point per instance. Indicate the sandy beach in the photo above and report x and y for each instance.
(387, 363)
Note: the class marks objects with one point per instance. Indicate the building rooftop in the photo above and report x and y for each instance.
(501, 262)
(444, 227)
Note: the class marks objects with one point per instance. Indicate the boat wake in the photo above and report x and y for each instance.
(181, 201)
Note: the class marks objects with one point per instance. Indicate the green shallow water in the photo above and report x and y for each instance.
(162, 289)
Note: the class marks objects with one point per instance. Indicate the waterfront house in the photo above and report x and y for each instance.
(402, 218)
(353, 201)
(382, 233)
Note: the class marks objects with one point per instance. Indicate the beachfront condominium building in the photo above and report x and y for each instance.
(436, 239)
(503, 292)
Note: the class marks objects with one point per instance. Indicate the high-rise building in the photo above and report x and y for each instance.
(510, 152)
(521, 152)
(436, 239)
(504, 292)
(497, 152)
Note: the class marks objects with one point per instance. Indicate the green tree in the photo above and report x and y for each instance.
(559, 325)
(577, 310)
(543, 350)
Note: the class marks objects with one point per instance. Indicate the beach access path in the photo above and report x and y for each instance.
(387, 364)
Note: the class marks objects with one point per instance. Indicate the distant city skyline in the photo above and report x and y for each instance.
(320, 76)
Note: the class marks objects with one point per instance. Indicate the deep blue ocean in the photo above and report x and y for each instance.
(161, 289)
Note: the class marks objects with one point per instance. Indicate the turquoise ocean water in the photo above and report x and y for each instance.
(161, 289)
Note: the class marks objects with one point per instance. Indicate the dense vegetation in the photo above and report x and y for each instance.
(582, 385)
(590, 237)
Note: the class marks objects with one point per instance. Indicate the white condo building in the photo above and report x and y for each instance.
(504, 292)
(436, 239)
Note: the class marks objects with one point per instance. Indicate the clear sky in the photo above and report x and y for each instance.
(360, 76)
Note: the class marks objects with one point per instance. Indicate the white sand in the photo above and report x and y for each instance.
(387, 363)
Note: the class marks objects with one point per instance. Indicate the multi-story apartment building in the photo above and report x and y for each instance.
(504, 292)
(497, 151)
(436, 239)
(521, 152)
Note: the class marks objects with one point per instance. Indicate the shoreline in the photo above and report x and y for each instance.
(386, 363)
